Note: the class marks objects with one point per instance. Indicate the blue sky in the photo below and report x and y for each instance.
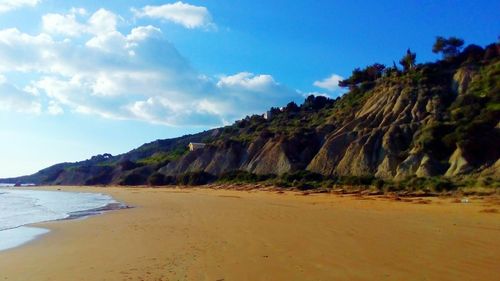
(79, 78)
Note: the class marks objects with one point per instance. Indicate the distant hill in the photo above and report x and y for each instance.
(437, 121)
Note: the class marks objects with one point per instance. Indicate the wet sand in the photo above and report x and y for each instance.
(201, 234)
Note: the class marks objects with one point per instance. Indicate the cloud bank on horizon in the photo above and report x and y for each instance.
(83, 62)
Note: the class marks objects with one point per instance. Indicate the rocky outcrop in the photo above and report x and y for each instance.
(377, 140)
(462, 79)
(458, 164)
(214, 159)
(265, 155)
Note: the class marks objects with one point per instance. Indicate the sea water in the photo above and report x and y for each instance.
(19, 208)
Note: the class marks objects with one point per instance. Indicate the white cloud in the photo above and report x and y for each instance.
(62, 24)
(142, 32)
(102, 22)
(54, 108)
(78, 11)
(330, 83)
(247, 81)
(316, 94)
(23, 52)
(101, 26)
(8, 5)
(16, 100)
(135, 75)
(187, 15)
(110, 42)
(245, 93)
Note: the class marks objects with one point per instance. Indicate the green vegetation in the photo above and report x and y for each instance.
(302, 180)
(195, 178)
(157, 179)
(138, 176)
(243, 177)
(408, 61)
(132, 179)
(449, 47)
(306, 180)
(162, 158)
(363, 76)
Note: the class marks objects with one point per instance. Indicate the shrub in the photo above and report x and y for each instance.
(302, 176)
(196, 178)
(441, 184)
(103, 175)
(304, 186)
(436, 184)
(238, 176)
(282, 183)
(133, 179)
(378, 183)
(127, 165)
(356, 180)
(243, 177)
(157, 179)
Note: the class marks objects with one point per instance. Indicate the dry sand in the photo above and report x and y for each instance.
(202, 234)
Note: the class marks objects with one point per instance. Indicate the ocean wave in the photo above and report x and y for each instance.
(23, 207)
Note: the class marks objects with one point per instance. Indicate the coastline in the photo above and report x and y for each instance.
(19, 236)
(19, 233)
(203, 234)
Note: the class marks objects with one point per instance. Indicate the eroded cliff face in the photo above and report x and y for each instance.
(265, 155)
(378, 140)
(439, 119)
(384, 137)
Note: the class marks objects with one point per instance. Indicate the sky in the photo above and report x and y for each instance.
(80, 78)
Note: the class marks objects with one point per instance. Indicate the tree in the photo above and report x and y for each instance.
(157, 179)
(315, 102)
(492, 51)
(392, 70)
(449, 48)
(374, 71)
(292, 107)
(408, 61)
(472, 53)
(359, 76)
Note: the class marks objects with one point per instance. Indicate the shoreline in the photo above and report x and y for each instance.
(19, 236)
(11, 238)
(206, 234)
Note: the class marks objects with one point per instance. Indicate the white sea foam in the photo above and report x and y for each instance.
(15, 237)
(22, 207)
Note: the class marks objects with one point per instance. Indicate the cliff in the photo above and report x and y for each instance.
(438, 119)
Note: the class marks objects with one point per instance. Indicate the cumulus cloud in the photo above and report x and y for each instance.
(23, 52)
(330, 83)
(317, 94)
(102, 23)
(63, 24)
(8, 5)
(16, 100)
(54, 108)
(187, 15)
(246, 80)
(247, 93)
(136, 74)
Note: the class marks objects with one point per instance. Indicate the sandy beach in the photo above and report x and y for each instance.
(202, 234)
